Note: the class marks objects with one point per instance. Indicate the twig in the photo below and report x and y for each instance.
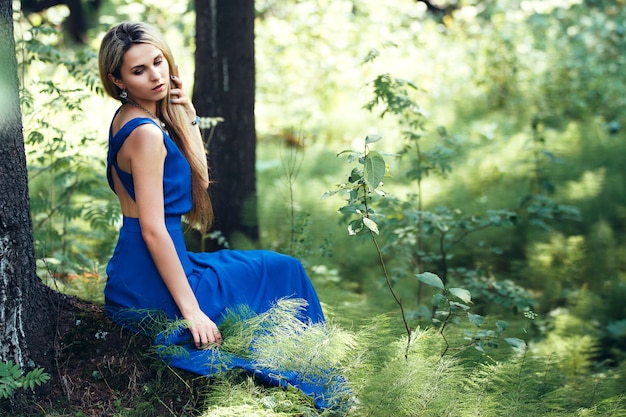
(393, 294)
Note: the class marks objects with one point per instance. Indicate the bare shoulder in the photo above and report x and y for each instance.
(143, 147)
(147, 136)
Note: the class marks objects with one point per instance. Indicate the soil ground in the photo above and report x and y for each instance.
(103, 370)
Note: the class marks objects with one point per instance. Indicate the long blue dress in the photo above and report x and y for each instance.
(221, 280)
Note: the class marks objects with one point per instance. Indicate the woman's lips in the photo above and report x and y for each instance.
(159, 88)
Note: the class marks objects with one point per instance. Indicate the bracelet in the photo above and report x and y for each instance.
(195, 121)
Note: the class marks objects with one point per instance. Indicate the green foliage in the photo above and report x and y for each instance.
(275, 340)
(491, 292)
(13, 378)
(421, 384)
(362, 187)
(231, 398)
(452, 305)
(412, 224)
(278, 341)
(591, 89)
(386, 383)
(67, 185)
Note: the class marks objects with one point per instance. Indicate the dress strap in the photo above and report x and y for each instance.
(115, 144)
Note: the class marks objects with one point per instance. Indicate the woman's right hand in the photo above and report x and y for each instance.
(203, 329)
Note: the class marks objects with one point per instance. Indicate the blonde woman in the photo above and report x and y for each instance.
(156, 165)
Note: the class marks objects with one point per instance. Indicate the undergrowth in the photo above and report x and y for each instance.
(385, 378)
(385, 383)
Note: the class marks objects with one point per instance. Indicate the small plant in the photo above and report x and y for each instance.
(453, 304)
(362, 187)
(420, 239)
(68, 189)
(12, 378)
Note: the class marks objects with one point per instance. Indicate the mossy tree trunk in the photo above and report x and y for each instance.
(224, 86)
(27, 307)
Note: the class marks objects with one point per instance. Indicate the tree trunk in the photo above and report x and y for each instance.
(27, 326)
(224, 86)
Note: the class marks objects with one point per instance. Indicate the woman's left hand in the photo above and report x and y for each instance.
(177, 96)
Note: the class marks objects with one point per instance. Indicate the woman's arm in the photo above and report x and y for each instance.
(146, 152)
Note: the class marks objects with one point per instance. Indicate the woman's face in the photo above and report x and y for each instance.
(145, 74)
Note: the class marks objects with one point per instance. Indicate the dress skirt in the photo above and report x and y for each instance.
(222, 281)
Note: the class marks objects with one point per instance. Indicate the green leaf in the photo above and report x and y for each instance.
(459, 306)
(35, 377)
(431, 279)
(352, 155)
(501, 325)
(370, 224)
(372, 138)
(374, 169)
(485, 333)
(355, 227)
(515, 342)
(462, 294)
(355, 175)
(439, 300)
(476, 319)
(351, 209)
(330, 194)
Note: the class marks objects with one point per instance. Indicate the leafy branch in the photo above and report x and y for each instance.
(12, 378)
(362, 186)
(453, 304)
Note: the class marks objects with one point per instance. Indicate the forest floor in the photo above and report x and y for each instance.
(103, 370)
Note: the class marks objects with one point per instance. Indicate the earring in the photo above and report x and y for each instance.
(124, 96)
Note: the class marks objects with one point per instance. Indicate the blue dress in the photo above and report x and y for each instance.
(221, 280)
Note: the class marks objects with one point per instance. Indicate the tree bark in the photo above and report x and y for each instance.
(224, 86)
(27, 307)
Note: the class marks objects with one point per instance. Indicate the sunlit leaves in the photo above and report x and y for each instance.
(475, 319)
(362, 187)
(449, 311)
(393, 95)
(431, 279)
(370, 224)
(371, 56)
(67, 184)
(462, 294)
(355, 227)
(356, 175)
(515, 342)
(374, 169)
(372, 139)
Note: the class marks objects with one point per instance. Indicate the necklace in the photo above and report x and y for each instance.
(148, 112)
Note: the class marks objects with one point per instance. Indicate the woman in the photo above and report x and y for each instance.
(157, 167)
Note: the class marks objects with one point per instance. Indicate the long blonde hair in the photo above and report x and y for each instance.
(116, 42)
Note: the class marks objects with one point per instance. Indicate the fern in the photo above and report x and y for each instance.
(12, 378)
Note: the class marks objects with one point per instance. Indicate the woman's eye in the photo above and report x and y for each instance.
(158, 62)
(138, 72)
